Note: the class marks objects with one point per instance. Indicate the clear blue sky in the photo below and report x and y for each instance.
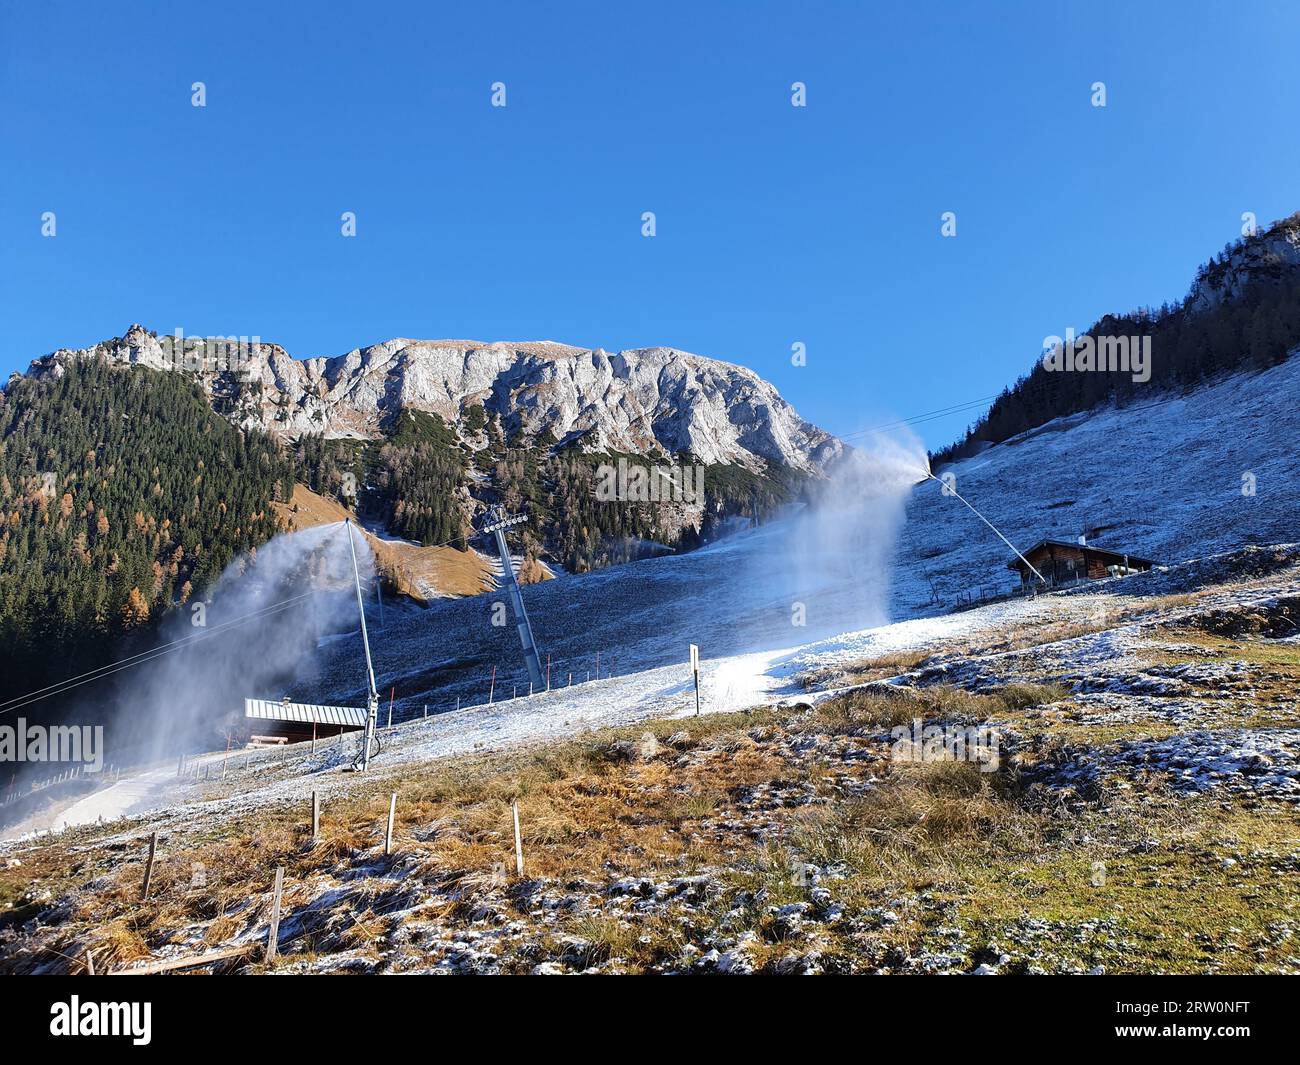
(775, 224)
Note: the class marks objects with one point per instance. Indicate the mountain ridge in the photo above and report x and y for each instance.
(655, 401)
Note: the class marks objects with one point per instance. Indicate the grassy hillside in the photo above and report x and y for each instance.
(780, 840)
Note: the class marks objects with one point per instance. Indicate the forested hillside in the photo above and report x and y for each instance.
(1242, 313)
(425, 484)
(411, 479)
(123, 496)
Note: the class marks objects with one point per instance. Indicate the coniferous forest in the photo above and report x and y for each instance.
(419, 480)
(123, 497)
(1253, 330)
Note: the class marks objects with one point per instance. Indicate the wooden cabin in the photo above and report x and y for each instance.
(1064, 563)
(273, 721)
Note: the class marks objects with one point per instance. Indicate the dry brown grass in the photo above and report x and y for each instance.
(885, 706)
(881, 667)
(931, 816)
(307, 509)
(408, 569)
(594, 809)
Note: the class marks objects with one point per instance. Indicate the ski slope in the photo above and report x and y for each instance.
(1161, 479)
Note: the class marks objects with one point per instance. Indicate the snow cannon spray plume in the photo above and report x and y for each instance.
(843, 545)
(266, 613)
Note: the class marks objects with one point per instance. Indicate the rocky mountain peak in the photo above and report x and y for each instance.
(657, 400)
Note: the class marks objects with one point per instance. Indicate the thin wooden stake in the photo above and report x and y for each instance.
(519, 843)
(90, 964)
(392, 812)
(148, 867)
(315, 815)
(273, 933)
(695, 669)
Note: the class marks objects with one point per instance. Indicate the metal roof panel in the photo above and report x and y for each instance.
(306, 713)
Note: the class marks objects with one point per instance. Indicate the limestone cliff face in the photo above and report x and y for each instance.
(1265, 256)
(645, 400)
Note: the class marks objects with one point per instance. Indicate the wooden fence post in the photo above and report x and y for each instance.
(388, 836)
(519, 843)
(148, 867)
(315, 815)
(695, 669)
(273, 933)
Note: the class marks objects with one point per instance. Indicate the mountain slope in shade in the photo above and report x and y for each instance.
(1162, 479)
(649, 401)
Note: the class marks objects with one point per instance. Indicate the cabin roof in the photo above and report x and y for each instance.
(1118, 556)
(305, 713)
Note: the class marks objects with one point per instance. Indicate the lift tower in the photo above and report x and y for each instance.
(372, 696)
(497, 524)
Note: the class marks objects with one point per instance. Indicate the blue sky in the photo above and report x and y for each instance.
(776, 224)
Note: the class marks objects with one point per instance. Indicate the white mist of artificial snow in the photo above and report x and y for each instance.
(190, 697)
(849, 537)
(828, 569)
(843, 546)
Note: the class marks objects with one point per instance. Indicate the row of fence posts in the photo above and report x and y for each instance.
(14, 793)
(202, 769)
(492, 684)
(207, 768)
(273, 924)
(991, 594)
(514, 690)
